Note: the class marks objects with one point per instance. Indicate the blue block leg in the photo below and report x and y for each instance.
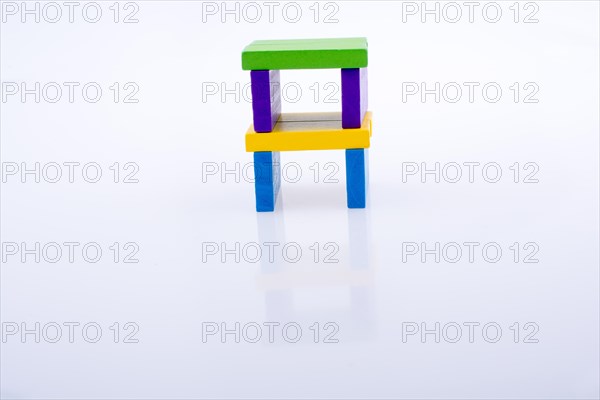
(267, 179)
(356, 177)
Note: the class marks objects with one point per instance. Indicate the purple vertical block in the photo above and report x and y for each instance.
(354, 97)
(266, 99)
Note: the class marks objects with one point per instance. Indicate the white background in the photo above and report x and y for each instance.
(178, 130)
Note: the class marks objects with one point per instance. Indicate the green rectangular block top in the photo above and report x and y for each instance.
(305, 54)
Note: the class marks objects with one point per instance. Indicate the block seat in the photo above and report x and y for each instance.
(310, 131)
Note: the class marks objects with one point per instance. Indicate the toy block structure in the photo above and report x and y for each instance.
(273, 131)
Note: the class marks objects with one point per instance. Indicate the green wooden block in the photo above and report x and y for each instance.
(305, 54)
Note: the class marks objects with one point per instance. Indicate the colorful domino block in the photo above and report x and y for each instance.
(310, 131)
(266, 99)
(305, 54)
(354, 97)
(272, 131)
(267, 179)
(356, 177)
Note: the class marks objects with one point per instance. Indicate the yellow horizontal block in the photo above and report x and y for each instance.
(310, 131)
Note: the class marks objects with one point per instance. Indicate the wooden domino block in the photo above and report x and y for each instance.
(266, 99)
(354, 96)
(305, 54)
(310, 131)
(356, 177)
(267, 179)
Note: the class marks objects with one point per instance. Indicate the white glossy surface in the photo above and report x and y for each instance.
(371, 293)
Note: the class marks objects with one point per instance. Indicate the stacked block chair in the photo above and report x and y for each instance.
(273, 131)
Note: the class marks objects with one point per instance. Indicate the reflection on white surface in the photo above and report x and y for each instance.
(287, 284)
